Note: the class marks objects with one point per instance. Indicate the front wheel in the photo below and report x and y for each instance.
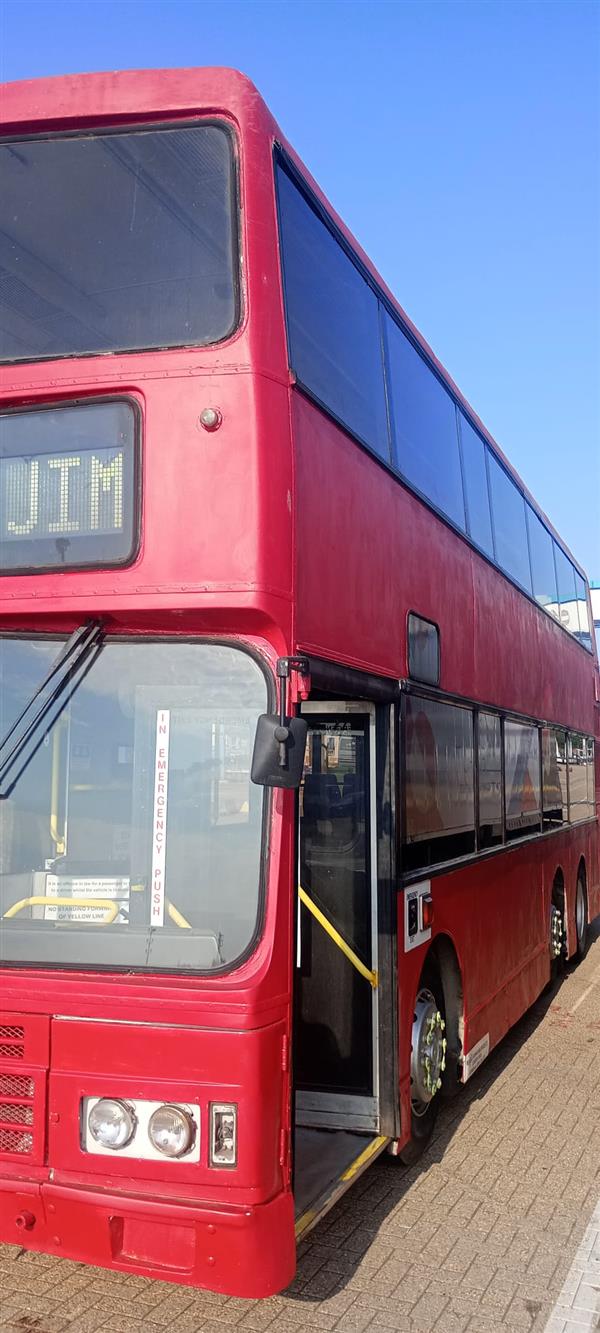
(428, 1062)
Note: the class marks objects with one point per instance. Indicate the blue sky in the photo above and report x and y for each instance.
(460, 142)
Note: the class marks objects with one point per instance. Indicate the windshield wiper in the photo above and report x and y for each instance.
(84, 641)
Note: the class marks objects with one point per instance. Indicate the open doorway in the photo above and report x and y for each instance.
(340, 987)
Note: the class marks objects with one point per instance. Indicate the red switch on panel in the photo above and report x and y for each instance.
(426, 911)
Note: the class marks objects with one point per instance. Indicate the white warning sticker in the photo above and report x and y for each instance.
(159, 819)
(476, 1057)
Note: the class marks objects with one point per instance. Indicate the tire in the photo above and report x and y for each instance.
(581, 921)
(424, 1113)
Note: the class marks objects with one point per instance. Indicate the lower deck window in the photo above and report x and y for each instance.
(528, 778)
(521, 779)
(490, 780)
(554, 769)
(581, 778)
(440, 795)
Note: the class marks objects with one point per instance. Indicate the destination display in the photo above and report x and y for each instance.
(67, 487)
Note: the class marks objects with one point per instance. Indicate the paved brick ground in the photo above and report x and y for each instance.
(498, 1229)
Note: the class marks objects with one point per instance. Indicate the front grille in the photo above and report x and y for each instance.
(16, 1085)
(17, 1107)
(24, 1059)
(12, 1042)
(15, 1141)
(10, 1052)
(15, 1113)
(9, 1032)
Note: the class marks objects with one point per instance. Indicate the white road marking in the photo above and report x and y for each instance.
(578, 1306)
(587, 991)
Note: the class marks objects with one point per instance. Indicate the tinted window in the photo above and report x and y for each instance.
(490, 780)
(479, 521)
(584, 634)
(581, 764)
(425, 440)
(591, 775)
(565, 573)
(522, 779)
(423, 650)
(440, 803)
(554, 767)
(542, 563)
(508, 507)
(116, 241)
(333, 321)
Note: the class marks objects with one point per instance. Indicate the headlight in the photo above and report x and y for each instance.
(111, 1123)
(171, 1131)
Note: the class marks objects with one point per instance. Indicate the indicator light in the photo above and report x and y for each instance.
(223, 1134)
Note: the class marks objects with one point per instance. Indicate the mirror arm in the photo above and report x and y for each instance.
(285, 665)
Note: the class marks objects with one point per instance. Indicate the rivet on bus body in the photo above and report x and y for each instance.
(56, 1240)
(211, 1260)
(210, 418)
(212, 1230)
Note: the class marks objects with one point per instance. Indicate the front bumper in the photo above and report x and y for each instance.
(237, 1250)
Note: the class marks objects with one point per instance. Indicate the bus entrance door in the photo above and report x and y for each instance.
(336, 1034)
(336, 1066)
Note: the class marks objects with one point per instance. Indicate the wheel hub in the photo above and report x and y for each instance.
(556, 933)
(429, 1045)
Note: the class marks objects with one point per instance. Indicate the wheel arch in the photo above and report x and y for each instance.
(443, 956)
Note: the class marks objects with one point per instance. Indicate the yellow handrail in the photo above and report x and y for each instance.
(112, 908)
(338, 939)
(172, 911)
(177, 916)
(48, 900)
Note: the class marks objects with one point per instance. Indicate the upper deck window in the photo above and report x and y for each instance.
(424, 427)
(542, 563)
(479, 520)
(508, 507)
(116, 241)
(333, 322)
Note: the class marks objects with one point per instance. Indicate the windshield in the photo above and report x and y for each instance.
(130, 833)
(116, 241)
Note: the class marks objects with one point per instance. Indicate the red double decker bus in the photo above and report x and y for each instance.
(298, 697)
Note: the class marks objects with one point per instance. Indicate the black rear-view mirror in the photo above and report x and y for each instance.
(278, 757)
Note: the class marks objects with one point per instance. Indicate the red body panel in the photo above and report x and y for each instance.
(279, 530)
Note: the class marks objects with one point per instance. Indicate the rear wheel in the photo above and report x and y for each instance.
(558, 928)
(428, 1062)
(581, 921)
